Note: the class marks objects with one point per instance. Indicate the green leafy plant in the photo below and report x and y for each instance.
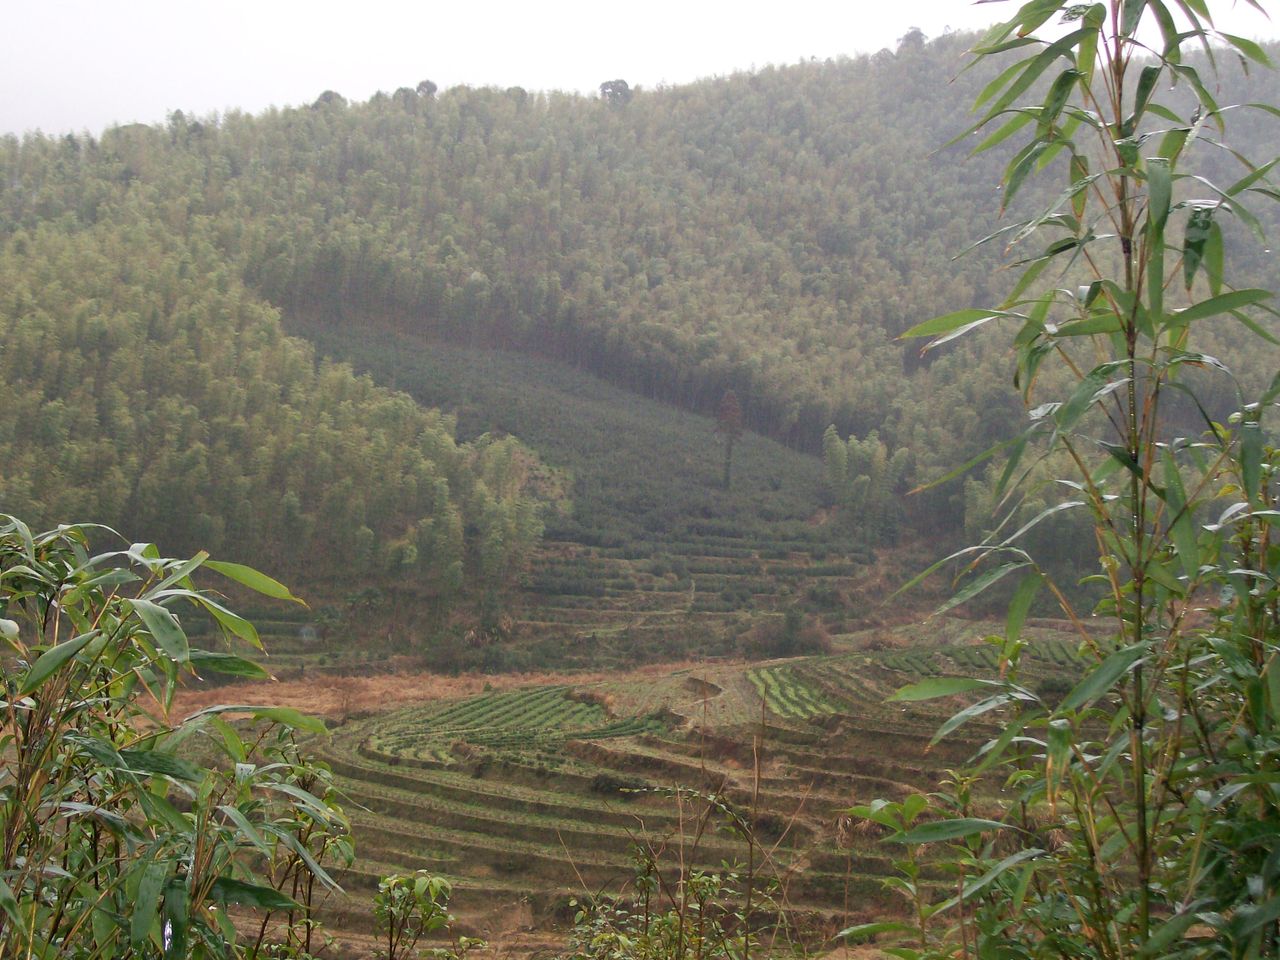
(1145, 799)
(114, 840)
(409, 907)
(678, 911)
(910, 832)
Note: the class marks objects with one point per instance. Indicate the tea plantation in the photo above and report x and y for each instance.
(527, 798)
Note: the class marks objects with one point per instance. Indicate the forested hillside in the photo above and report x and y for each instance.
(769, 232)
(141, 384)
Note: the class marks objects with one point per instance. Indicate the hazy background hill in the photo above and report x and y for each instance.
(769, 233)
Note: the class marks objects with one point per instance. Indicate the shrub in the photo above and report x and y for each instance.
(1138, 814)
(116, 842)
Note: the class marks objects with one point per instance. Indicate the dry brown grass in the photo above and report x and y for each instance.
(339, 697)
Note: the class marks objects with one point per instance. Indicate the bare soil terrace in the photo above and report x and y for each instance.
(527, 790)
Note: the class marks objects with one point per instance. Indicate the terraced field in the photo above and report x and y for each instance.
(527, 797)
(610, 606)
(520, 719)
(594, 607)
(648, 558)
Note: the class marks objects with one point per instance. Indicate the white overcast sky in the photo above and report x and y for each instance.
(85, 64)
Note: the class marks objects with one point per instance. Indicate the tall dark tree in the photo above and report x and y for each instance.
(330, 98)
(615, 92)
(729, 427)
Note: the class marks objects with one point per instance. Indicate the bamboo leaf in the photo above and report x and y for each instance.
(980, 584)
(1130, 15)
(285, 716)
(1167, 933)
(1021, 167)
(1079, 174)
(313, 865)
(1168, 30)
(52, 659)
(1249, 919)
(177, 915)
(1248, 181)
(164, 628)
(1040, 517)
(941, 830)
(247, 830)
(1146, 86)
(181, 572)
(1213, 258)
(1181, 530)
(232, 891)
(966, 467)
(864, 930)
(9, 905)
(1103, 677)
(960, 718)
(1090, 326)
(1003, 78)
(147, 903)
(1019, 606)
(228, 664)
(1096, 384)
(233, 624)
(1056, 99)
(1159, 195)
(1058, 742)
(935, 687)
(1272, 392)
(1087, 54)
(1223, 303)
(1208, 104)
(1196, 236)
(254, 580)
(1002, 133)
(949, 322)
(155, 763)
(1251, 458)
(978, 884)
(1247, 47)
(1254, 328)
(993, 750)
(1011, 465)
(1032, 68)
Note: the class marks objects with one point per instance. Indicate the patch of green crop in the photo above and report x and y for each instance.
(525, 719)
(789, 693)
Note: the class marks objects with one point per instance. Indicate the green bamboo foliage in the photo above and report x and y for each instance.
(865, 481)
(1138, 816)
(767, 233)
(169, 398)
(113, 841)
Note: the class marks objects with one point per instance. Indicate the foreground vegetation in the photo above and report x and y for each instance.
(115, 841)
(1138, 816)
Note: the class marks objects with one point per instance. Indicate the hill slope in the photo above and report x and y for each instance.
(648, 557)
(143, 387)
(768, 232)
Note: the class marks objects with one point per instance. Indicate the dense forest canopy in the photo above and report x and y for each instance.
(143, 385)
(768, 233)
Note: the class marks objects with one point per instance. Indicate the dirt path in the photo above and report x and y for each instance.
(340, 697)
